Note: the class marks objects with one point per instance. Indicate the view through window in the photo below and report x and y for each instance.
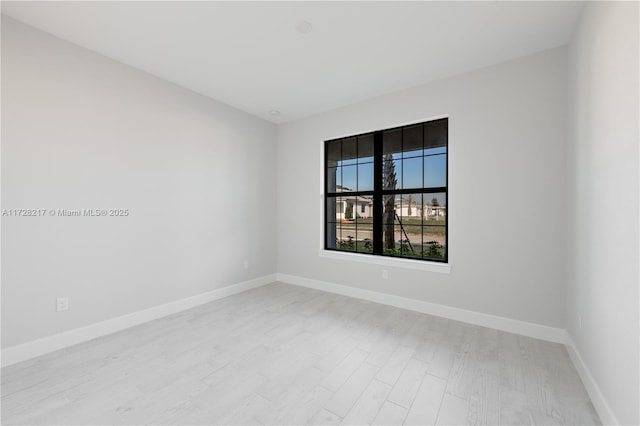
(386, 192)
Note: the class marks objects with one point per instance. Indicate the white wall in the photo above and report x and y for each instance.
(506, 148)
(603, 255)
(83, 131)
(199, 178)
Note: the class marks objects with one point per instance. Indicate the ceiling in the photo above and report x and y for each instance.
(251, 55)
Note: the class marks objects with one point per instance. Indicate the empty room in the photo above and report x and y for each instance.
(289, 213)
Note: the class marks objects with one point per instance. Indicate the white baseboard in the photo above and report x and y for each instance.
(25, 351)
(607, 417)
(524, 328)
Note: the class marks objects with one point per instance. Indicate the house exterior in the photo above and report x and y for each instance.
(416, 210)
(350, 207)
(404, 208)
(435, 211)
(353, 207)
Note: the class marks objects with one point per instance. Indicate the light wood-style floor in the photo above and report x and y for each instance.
(282, 354)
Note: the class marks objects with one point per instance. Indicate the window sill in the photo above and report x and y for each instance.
(421, 265)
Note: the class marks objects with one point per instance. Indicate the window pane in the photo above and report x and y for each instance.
(364, 230)
(410, 208)
(389, 246)
(333, 179)
(409, 240)
(365, 177)
(347, 240)
(435, 133)
(365, 148)
(349, 210)
(434, 233)
(435, 208)
(338, 238)
(408, 225)
(330, 209)
(434, 151)
(412, 173)
(412, 140)
(435, 226)
(349, 151)
(434, 246)
(334, 210)
(402, 246)
(331, 235)
(334, 153)
(435, 171)
(366, 210)
(349, 178)
(389, 206)
(336, 207)
(391, 176)
(392, 142)
(365, 245)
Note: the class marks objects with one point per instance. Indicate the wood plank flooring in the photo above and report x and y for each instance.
(282, 354)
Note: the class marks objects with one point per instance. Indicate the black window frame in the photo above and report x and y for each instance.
(378, 193)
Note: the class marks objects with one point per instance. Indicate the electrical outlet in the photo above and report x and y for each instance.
(385, 274)
(245, 265)
(62, 304)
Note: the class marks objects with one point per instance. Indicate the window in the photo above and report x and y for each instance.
(398, 177)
